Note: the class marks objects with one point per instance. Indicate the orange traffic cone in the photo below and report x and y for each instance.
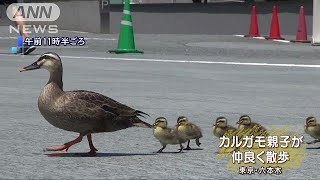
(302, 36)
(275, 26)
(254, 26)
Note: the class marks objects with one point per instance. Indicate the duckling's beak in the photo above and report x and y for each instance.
(238, 122)
(33, 66)
(153, 125)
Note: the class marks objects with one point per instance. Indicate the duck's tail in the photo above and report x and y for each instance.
(142, 124)
(139, 123)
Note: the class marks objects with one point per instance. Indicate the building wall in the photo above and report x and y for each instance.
(212, 18)
(215, 18)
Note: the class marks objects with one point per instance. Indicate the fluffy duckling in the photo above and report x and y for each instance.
(165, 134)
(246, 123)
(221, 127)
(313, 129)
(188, 131)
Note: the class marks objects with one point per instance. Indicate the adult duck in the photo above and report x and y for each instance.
(80, 111)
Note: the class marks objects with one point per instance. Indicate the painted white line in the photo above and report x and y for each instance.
(83, 32)
(239, 35)
(263, 38)
(186, 61)
(101, 39)
(279, 40)
(8, 37)
(196, 62)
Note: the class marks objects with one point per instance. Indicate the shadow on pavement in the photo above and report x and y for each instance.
(313, 148)
(61, 154)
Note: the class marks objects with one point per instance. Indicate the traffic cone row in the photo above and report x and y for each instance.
(275, 33)
(126, 42)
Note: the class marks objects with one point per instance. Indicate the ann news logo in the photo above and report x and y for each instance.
(34, 12)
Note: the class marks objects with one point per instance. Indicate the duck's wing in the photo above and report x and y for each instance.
(117, 113)
(194, 130)
(106, 103)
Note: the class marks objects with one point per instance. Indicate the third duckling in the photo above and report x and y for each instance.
(246, 123)
(188, 131)
(221, 127)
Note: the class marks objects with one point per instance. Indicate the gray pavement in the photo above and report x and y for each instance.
(274, 96)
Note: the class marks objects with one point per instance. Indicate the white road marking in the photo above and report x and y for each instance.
(279, 40)
(239, 35)
(8, 37)
(196, 62)
(101, 39)
(83, 32)
(263, 38)
(185, 61)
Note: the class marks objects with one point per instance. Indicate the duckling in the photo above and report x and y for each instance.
(80, 111)
(165, 134)
(246, 123)
(313, 129)
(221, 127)
(188, 131)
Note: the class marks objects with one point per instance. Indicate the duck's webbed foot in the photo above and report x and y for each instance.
(66, 145)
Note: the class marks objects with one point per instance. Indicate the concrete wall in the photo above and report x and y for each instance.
(214, 18)
(188, 18)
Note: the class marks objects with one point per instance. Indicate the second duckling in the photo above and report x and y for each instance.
(165, 134)
(188, 131)
(221, 127)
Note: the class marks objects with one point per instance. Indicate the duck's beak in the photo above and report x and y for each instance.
(238, 122)
(32, 66)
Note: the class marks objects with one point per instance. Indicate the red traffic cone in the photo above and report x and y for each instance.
(275, 26)
(302, 28)
(254, 26)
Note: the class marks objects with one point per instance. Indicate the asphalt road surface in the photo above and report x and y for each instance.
(201, 77)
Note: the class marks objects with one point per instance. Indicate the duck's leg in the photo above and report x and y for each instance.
(160, 150)
(92, 148)
(198, 142)
(66, 145)
(188, 146)
(181, 148)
